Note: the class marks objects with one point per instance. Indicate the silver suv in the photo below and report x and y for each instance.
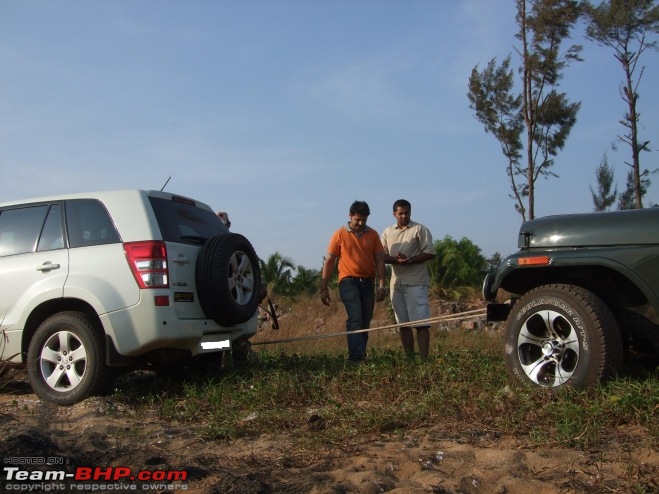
(95, 282)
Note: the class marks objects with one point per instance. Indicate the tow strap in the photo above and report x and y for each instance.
(421, 322)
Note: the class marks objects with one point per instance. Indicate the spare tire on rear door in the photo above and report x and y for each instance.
(228, 279)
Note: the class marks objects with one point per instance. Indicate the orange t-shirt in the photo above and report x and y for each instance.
(356, 253)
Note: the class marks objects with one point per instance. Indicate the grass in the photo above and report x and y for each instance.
(462, 391)
(310, 389)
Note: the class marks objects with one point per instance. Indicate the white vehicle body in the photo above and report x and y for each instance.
(129, 262)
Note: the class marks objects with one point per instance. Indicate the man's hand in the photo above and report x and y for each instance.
(324, 296)
(380, 294)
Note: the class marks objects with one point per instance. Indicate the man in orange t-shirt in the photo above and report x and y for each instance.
(361, 257)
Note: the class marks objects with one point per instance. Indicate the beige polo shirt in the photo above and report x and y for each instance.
(411, 241)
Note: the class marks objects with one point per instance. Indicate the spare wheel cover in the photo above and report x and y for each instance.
(228, 279)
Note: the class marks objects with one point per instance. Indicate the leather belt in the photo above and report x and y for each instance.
(357, 278)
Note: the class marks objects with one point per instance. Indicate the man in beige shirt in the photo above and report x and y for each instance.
(408, 246)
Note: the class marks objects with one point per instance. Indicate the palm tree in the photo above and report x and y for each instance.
(306, 281)
(457, 266)
(276, 272)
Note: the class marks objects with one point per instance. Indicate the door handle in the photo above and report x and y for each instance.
(48, 266)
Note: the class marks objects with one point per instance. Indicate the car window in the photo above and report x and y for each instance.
(88, 223)
(20, 228)
(51, 235)
(185, 223)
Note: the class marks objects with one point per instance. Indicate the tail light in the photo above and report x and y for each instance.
(148, 262)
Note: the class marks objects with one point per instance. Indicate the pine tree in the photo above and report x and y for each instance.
(603, 198)
(624, 26)
(532, 125)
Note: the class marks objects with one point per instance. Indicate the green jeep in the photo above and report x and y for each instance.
(582, 288)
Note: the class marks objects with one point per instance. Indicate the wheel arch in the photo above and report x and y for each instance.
(612, 286)
(43, 311)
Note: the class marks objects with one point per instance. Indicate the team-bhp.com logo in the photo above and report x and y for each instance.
(89, 479)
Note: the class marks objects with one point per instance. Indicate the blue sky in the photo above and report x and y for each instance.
(283, 112)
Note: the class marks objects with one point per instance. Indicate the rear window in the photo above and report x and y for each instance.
(88, 223)
(185, 223)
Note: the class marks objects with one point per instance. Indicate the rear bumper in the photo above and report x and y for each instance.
(138, 330)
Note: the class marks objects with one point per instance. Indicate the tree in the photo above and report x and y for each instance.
(539, 112)
(306, 281)
(276, 273)
(603, 198)
(494, 261)
(457, 265)
(627, 200)
(490, 93)
(624, 26)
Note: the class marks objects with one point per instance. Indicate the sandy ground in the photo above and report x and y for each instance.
(443, 459)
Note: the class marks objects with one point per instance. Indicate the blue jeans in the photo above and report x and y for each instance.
(358, 297)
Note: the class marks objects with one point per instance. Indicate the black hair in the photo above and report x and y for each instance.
(360, 207)
(402, 203)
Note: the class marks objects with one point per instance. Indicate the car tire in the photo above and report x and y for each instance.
(562, 335)
(66, 359)
(228, 279)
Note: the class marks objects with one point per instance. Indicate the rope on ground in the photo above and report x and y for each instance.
(421, 322)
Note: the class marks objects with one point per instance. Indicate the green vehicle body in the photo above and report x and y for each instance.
(614, 255)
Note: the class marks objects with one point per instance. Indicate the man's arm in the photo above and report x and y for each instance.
(382, 277)
(326, 276)
(328, 268)
(381, 269)
(390, 259)
(419, 258)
